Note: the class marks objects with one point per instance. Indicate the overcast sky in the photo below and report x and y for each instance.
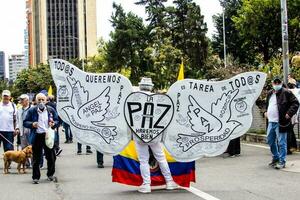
(13, 20)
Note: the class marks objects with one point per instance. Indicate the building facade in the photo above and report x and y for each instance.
(2, 65)
(16, 63)
(63, 29)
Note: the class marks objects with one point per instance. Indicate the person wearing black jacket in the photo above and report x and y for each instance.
(39, 118)
(281, 106)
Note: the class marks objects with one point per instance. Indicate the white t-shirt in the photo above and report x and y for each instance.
(272, 113)
(7, 117)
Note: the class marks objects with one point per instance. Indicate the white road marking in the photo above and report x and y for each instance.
(256, 145)
(207, 196)
(200, 193)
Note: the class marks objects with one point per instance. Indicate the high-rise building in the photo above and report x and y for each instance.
(26, 47)
(2, 65)
(16, 63)
(61, 29)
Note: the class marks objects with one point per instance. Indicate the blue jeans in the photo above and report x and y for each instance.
(277, 142)
(7, 136)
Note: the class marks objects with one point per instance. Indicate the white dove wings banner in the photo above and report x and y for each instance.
(92, 104)
(208, 115)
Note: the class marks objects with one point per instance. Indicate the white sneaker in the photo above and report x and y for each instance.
(145, 188)
(171, 185)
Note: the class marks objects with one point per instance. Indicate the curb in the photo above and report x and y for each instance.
(258, 138)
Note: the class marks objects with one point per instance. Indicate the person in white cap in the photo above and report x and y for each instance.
(8, 113)
(24, 133)
(22, 111)
(146, 86)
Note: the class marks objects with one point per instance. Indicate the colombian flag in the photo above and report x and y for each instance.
(126, 169)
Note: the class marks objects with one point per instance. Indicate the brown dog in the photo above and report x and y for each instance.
(19, 157)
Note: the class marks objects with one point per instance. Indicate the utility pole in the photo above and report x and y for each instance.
(285, 41)
(224, 37)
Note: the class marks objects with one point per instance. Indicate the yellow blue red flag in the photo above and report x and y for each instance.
(126, 169)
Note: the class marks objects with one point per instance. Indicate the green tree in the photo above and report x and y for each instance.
(156, 12)
(128, 40)
(188, 29)
(259, 22)
(33, 80)
(294, 25)
(235, 44)
(164, 60)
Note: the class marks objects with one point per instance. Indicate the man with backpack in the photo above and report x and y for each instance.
(8, 113)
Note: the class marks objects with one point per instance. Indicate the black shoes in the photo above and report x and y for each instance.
(52, 178)
(79, 152)
(88, 151)
(273, 163)
(279, 165)
(100, 165)
(35, 181)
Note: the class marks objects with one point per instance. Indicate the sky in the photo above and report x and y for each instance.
(13, 20)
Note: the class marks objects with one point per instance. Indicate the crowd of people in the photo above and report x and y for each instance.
(29, 122)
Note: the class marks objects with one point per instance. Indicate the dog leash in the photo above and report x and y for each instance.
(6, 139)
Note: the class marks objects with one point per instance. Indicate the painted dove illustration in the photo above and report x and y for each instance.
(210, 126)
(91, 110)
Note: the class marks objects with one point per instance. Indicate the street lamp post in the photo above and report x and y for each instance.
(224, 37)
(285, 40)
(81, 44)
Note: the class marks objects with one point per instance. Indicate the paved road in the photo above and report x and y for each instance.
(245, 177)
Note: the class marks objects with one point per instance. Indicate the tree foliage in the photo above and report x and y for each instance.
(236, 45)
(33, 80)
(259, 23)
(128, 40)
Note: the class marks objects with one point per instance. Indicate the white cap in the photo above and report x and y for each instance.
(24, 96)
(6, 93)
(146, 81)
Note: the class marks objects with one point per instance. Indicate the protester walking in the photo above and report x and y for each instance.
(281, 106)
(8, 116)
(39, 119)
(24, 133)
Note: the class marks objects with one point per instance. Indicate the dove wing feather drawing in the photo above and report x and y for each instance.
(96, 108)
(221, 108)
(79, 94)
(201, 120)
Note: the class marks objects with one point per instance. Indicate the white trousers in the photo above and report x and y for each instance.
(143, 156)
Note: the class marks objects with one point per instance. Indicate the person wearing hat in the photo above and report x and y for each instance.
(281, 106)
(143, 148)
(8, 113)
(39, 119)
(24, 133)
